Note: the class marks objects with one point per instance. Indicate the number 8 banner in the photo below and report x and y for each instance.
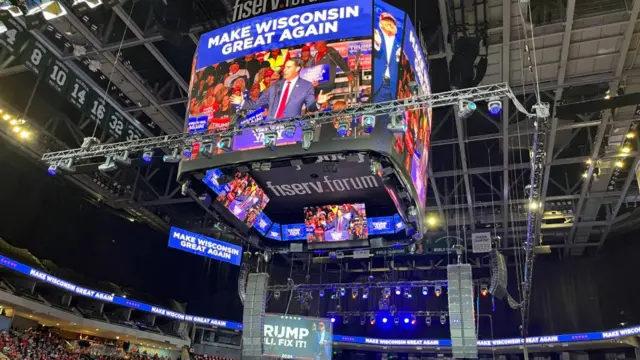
(36, 57)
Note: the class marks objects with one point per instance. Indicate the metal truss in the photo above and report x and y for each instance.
(368, 314)
(449, 98)
(367, 285)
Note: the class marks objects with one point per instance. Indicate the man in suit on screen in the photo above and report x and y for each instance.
(286, 97)
(387, 47)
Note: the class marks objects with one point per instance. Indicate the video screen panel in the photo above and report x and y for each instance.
(297, 337)
(244, 66)
(331, 223)
(244, 198)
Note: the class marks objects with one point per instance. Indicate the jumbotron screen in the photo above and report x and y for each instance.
(329, 223)
(244, 198)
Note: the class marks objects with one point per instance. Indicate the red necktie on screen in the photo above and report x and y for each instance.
(283, 101)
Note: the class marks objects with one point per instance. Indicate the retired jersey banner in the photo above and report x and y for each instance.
(204, 246)
(297, 337)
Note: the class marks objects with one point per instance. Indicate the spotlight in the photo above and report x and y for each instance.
(365, 293)
(386, 293)
(384, 320)
(495, 106)
(466, 108)
(630, 135)
(67, 165)
(270, 140)
(362, 320)
(289, 131)
(443, 319)
(534, 205)
(432, 220)
(307, 137)
(25, 134)
(407, 293)
(13, 122)
(187, 151)
(425, 290)
(6, 117)
(413, 319)
(406, 320)
(225, 143)
(52, 170)
(342, 291)
(437, 290)
(109, 165)
(321, 293)
(123, 158)
(368, 122)
(398, 291)
(276, 294)
(396, 320)
(333, 320)
(174, 157)
(484, 290)
(354, 293)
(343, 127)
(619, 164)
(345, 319)
(626, 149)
(396, 124)
(427, 320)
(17, 129)
(147, 156)
(372, 320)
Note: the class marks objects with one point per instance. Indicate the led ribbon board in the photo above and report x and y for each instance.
(204, 246)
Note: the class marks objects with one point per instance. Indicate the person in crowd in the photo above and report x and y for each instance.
(305, 56)
(254, 94)
(235, 72)
(327, 55)
(387, 47)
(253, 66)
(286, 97)
(276, 59)
(225, 110)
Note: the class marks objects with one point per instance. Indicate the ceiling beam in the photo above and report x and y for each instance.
(625, 44)
(506, 77)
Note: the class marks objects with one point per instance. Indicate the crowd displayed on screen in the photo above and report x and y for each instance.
(244, 198)
(320, 75)
(336, 223)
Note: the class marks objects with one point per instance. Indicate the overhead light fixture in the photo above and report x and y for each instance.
(407, 293)
(386, 293)
(495, 106)
(626, 149)
(147, 156)
(607, 95)
(619, 164)
(52, 170)
(466, 108)
(67, 165)
(368, 122)
(25, 134)
(585, 174)
(443, 319)
(588, 162)
(398, 290)
(187, 151)
(307, 137)
(17, 129)
(432, 220)
(425, 290)
(372, 320)
(413, 319)
(397, 125)
(225, 143)
(123, 158)
(342, 291)
(354, 293)
(276, 294)
(6, 117)
(484, 290)
(396, 320)
(345, 319)
(365, 293)
(321, 293)
(343, 127)
(437, 290)
(109, 165)
(173, 157)
(630, 135)
(427, 320)
(289, 131)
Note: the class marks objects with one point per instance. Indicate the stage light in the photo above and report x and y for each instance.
(270, 140)
(365, 293)
(52, 170)
(225, 143)
(345, 319)
(16, 129)
(619, 164)
(276, 294)
(398, 290)
(342, 291)
(289, 131)
(362, 320)
(427, 320)
(588, 162)
(437, 290)
(187, 151)
(425, 290)
(307, 137)
(174, 157)
(406, 320)
(396, 320)
(432, 220)
(67, 165)
(396, 124)
(534, 205)
(321, 293)
(626, 149)
(372, 320)
(25, 134)
(386, 293)
(13, 122)
(333, 320)
(413, 319)
(630, 135)
(123, 158)
(343, 127)
(407, 293)
(495, 107)
(585, 175)
(443, 319)
(484, 290)
(354, 293)
(6, 117)
(384, 320)
(109, 165)
(466, 108)
(147, 156)
(368, 122)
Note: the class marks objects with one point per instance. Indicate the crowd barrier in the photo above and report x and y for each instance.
(138, 305)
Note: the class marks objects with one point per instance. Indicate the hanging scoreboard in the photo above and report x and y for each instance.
(78, 93)
(57, 76)
(36, 57)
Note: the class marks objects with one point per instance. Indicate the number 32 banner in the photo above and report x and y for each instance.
(65, 82)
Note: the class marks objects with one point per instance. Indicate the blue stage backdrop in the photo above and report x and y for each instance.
(204, 246)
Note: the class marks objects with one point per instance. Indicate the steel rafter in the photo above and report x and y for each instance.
(448, 98)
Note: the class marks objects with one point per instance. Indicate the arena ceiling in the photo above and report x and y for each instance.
(585, 58)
